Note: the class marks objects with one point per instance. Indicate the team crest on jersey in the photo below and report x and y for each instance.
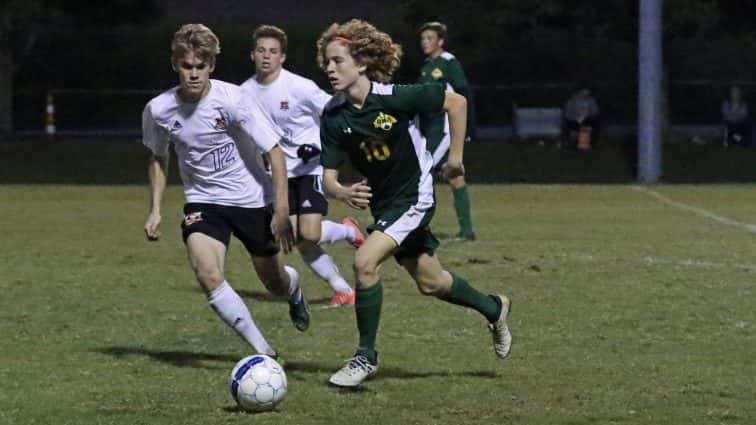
(384, 121)
(284, 105)
(192, 218)
(437, 73)
(220, 123)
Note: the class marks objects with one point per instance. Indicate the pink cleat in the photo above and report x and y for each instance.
(359, 238)
(341, 299)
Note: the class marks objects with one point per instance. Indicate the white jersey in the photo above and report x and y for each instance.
(218, 142)
(295, 104)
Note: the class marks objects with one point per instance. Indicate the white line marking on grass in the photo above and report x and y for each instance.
(700, 211)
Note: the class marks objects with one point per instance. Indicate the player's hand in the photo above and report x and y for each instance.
(280, 226)
(358, 195)
(152, 226)
(452, 169)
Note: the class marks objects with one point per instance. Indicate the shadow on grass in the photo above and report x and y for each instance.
(175, 358)
(267, 297)
(293, 367)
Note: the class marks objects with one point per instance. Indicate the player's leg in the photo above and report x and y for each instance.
(348, 230)
(369, 301)
(319, 261)
(252, 227)
(206, 237)
(433, 280)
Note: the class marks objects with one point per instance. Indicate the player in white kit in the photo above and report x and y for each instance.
(218, 134)
(295, 104)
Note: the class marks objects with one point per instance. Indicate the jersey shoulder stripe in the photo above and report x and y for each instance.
(382, 89)
(448, 56)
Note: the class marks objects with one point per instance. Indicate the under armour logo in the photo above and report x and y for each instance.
(347, 130)
(382, 222)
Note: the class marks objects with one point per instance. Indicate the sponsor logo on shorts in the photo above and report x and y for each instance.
(192, 218)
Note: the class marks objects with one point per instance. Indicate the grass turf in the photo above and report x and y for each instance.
(626, 310)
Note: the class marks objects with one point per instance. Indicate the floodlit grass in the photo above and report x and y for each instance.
(626, 310)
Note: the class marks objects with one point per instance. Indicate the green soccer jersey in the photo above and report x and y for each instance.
(380, 143)
(446, 70)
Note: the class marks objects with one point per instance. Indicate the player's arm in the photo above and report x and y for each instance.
(455, 105)
(356, 195)
(458, 81)
(157, 171)
(280, 224)
(255, 126)
(154, 137)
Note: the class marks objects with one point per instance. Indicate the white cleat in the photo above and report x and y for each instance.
(356, 370)
(502, 338)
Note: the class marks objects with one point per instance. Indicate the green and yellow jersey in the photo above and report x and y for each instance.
(446, 70)
(381, 142)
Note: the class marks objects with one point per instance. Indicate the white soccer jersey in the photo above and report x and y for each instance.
(218, 143)
(295, 104)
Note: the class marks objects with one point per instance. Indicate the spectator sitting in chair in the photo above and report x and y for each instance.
(581, 121)
(736, 119)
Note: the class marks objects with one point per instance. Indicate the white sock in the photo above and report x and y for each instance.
(293, 279)
(326, 269)
(331, 232)
(229, 306)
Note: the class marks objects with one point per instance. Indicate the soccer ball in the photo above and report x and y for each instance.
(258, 383)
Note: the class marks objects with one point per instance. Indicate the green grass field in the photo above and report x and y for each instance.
(627, 310)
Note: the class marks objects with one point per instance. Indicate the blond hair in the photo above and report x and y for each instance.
(368, 46)
(195, 38)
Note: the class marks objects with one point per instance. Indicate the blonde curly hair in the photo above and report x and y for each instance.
(195, 38)
(368, 46)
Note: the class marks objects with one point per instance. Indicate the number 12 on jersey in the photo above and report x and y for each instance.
(376, 150)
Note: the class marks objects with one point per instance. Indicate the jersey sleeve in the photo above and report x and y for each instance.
(314, 99)
(456, 78)
(249, 122)
(332, 155)
(154, 136)
(419, 98)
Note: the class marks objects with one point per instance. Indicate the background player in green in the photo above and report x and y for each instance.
(442, 67)
(370, 124)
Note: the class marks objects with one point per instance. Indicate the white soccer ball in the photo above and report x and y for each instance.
(258, 383)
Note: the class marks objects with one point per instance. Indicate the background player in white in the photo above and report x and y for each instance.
(295, 104)
(217, 134)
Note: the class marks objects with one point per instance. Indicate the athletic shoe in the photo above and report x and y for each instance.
(359, 238)
(299, 311)
(502, 338)
(356, 370)
(467, 237)
(341, 298)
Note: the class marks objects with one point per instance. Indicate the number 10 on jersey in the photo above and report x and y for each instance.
(376, 150)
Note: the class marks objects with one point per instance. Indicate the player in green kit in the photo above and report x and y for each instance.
(442, 67)
(370, 124)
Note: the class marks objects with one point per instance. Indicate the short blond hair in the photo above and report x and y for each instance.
(369, 46)
(196, 38)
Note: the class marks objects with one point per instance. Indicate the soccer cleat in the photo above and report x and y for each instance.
(467, 237)
(356, 370)
(341, 298)
(502, 338)
(359, 238)
(299, 311)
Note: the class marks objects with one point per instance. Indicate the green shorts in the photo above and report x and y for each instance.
(409, 226)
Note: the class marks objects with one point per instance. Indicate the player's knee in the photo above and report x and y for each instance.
(309, 236)
(365, 268)
(429, 287)
(209, 277)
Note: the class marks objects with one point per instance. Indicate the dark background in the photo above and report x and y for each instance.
(533, 53)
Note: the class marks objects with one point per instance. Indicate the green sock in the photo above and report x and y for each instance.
(367, 307)
(462, 206)
(461, 293)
